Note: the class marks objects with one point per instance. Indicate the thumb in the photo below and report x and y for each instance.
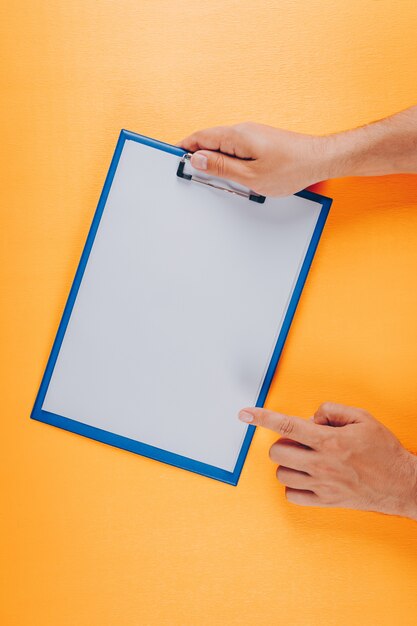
(333, 414)
(222, 165)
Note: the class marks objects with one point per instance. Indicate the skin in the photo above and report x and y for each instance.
(342, 456)
(275, 162)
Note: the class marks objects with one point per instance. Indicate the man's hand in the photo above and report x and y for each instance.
(268, 160)
(276, 162)
(342, 457)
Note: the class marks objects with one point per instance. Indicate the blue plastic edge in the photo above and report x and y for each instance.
(131, 445)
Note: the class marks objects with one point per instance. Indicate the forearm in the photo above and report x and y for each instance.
(388, 146)
(276, 162)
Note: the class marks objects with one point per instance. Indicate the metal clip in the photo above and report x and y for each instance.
(255, 197)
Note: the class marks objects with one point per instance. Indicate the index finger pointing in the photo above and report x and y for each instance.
(295, 428)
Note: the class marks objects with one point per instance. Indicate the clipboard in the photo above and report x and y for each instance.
(179, 310)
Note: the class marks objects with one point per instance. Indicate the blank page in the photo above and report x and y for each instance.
(182, 299)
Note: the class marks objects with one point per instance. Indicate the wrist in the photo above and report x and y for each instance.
(408, 506)
(346, 154)
(372, 150)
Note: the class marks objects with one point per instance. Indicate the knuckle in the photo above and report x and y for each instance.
(242, 126)
(325, 407)
(318, 467)
(219, 165)
(331, 442)
(286, 427)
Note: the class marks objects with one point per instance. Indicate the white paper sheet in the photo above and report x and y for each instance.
(182, 299)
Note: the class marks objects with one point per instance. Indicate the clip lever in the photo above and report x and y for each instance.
(255, 197)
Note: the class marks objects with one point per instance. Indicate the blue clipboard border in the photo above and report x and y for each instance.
(136, 446)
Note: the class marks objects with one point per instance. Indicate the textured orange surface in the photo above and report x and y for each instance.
(94, 536)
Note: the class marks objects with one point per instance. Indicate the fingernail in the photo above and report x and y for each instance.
(244, 416)
(199, 161)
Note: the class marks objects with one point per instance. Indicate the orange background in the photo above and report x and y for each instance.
(91, 535)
